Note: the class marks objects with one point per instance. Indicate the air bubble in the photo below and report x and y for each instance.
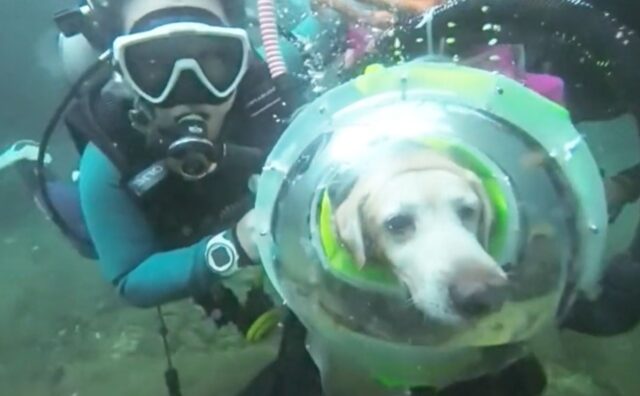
(451, 25)
(451, 40)
(491, 26)
(485, 9)
(493, 41)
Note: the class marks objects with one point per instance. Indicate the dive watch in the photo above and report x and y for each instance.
(222, 255)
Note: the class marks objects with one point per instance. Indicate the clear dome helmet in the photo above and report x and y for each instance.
(542, 183)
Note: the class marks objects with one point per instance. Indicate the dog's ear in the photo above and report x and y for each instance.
(348, 226)
(486, 215)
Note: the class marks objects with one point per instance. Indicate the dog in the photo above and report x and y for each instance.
(429, 220)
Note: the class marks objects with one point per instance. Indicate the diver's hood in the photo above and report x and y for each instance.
(541, 179)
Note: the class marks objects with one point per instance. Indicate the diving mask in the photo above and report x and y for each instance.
(155, 61)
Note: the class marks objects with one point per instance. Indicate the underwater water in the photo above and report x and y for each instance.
(65, 332)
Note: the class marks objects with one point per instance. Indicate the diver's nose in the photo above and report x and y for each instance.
(478, 290)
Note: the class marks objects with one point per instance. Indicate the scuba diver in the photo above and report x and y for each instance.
(172, 120)
(185, 127)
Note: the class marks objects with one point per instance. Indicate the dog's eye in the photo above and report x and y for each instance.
(466, 212)
(399, 224)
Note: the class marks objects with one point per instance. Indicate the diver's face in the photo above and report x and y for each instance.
(189, 98)
(133, 10)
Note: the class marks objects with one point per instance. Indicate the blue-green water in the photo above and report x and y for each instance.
(63, 331)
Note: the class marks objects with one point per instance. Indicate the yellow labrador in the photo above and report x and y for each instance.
(428, 219)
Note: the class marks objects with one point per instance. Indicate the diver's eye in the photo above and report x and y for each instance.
(399, 224)
(466, 212)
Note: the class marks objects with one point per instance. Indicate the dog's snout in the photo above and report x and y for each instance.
(478, 291)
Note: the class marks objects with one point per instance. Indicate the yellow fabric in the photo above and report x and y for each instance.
(339, 258)
(262, 326)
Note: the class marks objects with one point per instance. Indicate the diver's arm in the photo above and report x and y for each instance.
(629, 179)
(617, 309)
(622, 189)
(129, 253)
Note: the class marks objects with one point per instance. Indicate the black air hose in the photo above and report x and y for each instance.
(100, 64)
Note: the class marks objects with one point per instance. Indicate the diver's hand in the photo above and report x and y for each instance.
(617, 197)
(615, 310)
(246, 233)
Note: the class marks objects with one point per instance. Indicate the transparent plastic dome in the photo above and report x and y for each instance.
(544, 211)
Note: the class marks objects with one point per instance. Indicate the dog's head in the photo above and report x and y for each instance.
(430, 220)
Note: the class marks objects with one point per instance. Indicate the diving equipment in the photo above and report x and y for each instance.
(221, 254)
(542, 181)
(191, 153)
(153, 61)
(92, 20)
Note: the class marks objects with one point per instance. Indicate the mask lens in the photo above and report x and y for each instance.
(150, 64)
(220, 59)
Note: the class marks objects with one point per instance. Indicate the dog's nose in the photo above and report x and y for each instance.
(478, 291)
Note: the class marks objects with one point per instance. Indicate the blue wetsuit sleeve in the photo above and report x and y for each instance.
(128, 251)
